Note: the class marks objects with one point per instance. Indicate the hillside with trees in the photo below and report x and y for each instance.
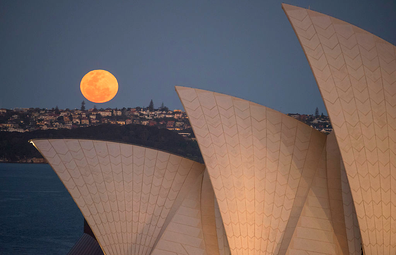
(14, 146)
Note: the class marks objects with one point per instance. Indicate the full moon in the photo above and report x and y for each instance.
(99, 86)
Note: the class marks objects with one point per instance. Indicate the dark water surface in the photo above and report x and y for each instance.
(37, 214)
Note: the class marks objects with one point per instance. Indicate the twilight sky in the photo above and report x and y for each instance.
(245, 49)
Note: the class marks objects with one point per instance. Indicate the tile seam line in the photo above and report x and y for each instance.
(96, 184)
(240, 151)
(388, 125)
(110, 246)
(232, 224)
(115, 190)
(207, 129)
(354, 98)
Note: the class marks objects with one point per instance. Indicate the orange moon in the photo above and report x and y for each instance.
(99, 86)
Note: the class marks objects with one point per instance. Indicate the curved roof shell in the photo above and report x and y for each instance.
(137, 200)
(356, 74)
(269, 174)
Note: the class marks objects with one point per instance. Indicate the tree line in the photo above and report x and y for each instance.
(15, 147)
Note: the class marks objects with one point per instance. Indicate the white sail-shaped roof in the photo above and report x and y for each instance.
(261, 164)
(356, 74)
(137, 200)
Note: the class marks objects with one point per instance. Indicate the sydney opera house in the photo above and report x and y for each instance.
(269, 183)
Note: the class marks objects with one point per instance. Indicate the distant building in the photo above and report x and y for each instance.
(170, 125)
(105, 113)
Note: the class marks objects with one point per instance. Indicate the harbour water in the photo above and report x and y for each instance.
(37, 214)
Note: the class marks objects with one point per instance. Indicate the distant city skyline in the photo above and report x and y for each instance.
(157, 107)
(244, 49)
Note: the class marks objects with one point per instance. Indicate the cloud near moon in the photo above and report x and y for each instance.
(99, 86)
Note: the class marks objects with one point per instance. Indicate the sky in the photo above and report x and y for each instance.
(246, 49)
